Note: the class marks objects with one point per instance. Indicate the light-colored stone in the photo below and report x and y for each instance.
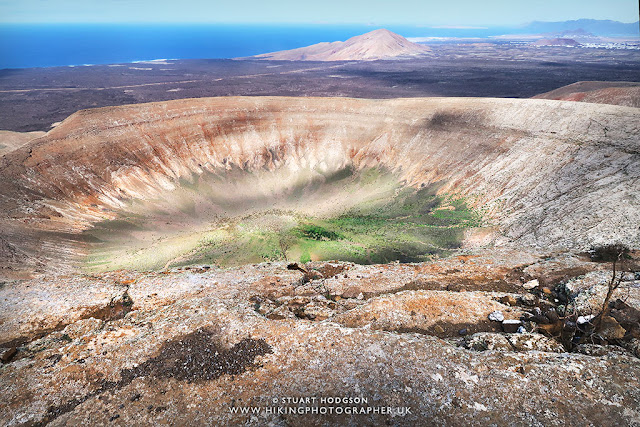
(279, 313)
(82, 327)
(421, 311)
(534, 342)
(601, 350)
(496, 316)
(581, 320)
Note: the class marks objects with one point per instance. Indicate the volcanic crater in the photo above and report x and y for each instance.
(239, 180)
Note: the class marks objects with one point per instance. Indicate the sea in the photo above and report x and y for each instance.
(49, 45)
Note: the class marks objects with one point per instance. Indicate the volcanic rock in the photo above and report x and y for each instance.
(422, 311)
(601, 350)
(610, 329)
(511, 325)
(483, 341)
(512, 342)
(7, 353)
(9, 141)
(193, 345)
(534, 342)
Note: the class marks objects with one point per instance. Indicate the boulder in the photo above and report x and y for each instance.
(421, 311)
(610, 329)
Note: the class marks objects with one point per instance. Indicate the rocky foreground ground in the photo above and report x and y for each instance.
(483, 338)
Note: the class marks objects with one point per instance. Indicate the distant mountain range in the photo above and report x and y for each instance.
(594, 26)
(556, 42)
(378, 44)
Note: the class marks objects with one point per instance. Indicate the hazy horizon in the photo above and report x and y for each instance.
(461, 13)
(311, 23)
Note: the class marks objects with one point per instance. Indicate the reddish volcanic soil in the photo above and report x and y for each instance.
(615, 93)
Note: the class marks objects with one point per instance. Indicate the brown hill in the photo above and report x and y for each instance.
(378, 44)
(614, 93)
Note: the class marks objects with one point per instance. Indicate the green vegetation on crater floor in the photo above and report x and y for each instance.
(393, 222)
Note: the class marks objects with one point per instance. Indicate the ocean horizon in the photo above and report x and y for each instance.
(51, 45)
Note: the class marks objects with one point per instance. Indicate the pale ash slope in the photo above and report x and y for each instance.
(547, 173)
(9, 140)
(378, 44)
(615, 93)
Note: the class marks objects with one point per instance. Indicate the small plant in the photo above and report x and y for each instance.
(285, 242)
(615, 254)
(317, 232)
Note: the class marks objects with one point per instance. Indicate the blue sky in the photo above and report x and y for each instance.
(374, 12)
